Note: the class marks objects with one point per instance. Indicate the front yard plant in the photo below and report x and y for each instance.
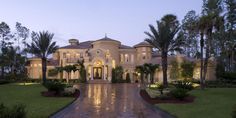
(36, 105)
(16, 111)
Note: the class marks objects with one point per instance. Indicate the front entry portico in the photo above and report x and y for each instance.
(97, 72)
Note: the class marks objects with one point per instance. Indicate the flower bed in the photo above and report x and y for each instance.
(167, 99)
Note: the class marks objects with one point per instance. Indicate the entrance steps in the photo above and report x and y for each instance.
(98, 81)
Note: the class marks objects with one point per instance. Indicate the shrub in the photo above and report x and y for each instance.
(184, 85)
(113, 79)
(231, 76)
(117, 74)
(234, 112)
(70, 91)
(5, 81)
(179, 93)
(160, 88)
(220, 69)
(187, 70)
(174, 71)
(128, 78)
(17, 111)
(54, 86)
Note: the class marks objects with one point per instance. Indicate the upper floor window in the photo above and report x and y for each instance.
(121, 58)
(64, 55)
(144, 56)
(143, 49)
(126, 58)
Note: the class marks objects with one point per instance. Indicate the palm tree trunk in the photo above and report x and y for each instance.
(208, 50)
(201, 72)
(152, 78)
(61, 75)
(44, 69)
(164, 68)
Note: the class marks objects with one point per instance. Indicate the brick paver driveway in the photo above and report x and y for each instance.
(110, 101)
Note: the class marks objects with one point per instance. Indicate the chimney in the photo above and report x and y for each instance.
(74, 42)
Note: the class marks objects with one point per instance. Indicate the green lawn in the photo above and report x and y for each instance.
(29, 95)
(209, 103)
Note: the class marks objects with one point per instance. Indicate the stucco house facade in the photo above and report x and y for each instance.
(101, 55)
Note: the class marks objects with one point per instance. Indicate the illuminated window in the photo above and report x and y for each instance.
(143, 49)
(113, 63)
(126, 58)
(98, 63)
(107, 54)
(144, 56)
(121, 58)
(77, 55)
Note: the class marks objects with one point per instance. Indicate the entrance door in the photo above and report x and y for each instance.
(97, 73)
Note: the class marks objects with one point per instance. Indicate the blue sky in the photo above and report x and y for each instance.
(123, 20)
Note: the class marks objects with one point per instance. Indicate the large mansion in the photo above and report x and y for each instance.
(101, 55)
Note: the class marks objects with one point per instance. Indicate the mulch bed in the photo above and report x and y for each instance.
(54, 94)
(147, 98)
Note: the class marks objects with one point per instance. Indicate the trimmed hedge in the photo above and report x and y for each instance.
(179, 93)
(5, 81)
(55, 86)
(231, 76)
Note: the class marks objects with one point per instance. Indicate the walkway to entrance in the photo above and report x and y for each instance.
(110, 101)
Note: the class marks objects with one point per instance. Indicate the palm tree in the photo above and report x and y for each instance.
(151, 69)
(210, 20)
(166, 38)
(201, 27)
(42, 46)
(69, 69)
(82, 70)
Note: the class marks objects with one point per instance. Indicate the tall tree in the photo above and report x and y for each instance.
(211, 12)
(189, 24)
(231, 31)
(21, 34)
(166, 38)
(42, 46)
(5, 36)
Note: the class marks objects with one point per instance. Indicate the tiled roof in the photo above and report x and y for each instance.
(52, 62)
(143, 44)
(125, 47)
(107, 39)
(82, 45)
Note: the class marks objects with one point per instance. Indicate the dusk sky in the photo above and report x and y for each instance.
(123, 20)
